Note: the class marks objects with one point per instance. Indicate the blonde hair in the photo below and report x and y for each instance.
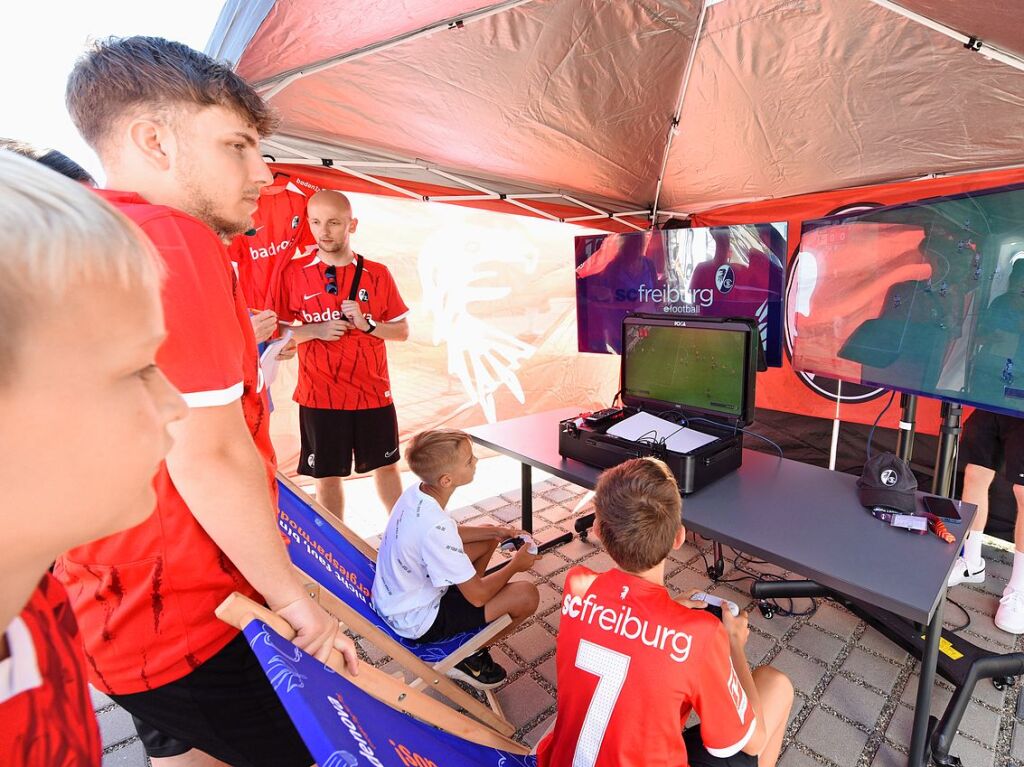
(54, 235)
(639, 509)
(434, 452)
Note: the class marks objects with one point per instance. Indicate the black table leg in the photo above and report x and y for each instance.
(527, 497)
(922, 709)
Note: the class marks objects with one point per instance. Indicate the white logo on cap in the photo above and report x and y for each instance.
(888, 477)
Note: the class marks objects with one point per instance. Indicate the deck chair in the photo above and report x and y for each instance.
(330, 555)
(368, 718)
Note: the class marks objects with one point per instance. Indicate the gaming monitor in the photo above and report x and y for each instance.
(721, 271)
(925, 298)
(701, 366)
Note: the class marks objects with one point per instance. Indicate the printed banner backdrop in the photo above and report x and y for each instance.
(724, 271)
(345, 727)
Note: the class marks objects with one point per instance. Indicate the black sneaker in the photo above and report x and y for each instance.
(480, 671)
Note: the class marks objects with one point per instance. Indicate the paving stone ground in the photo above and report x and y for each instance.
(854, 689)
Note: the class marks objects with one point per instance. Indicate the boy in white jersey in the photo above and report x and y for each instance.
(633, 663)
(424, 553)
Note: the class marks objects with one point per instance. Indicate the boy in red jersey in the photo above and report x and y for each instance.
(633, 663)
(179, 134)
(79, 390)
(344, 391)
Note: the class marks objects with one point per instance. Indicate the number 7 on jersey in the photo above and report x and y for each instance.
(610, 668)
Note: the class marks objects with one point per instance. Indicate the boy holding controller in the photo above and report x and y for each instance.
(423, 554)
(633, 663)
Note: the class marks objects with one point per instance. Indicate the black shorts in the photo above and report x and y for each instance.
(994, 442)
(226, 707)
(454, 616)
(330, 437)
(697, 755)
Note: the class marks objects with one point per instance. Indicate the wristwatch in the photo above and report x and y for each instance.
(372, 324)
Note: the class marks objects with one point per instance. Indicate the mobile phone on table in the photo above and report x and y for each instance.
(943, 508)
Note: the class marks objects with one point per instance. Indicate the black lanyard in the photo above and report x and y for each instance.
(354, 290)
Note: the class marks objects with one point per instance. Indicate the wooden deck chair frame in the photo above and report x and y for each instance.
(433, 676)
(238, 610)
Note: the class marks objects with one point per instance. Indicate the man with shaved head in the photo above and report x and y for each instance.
(347, 307)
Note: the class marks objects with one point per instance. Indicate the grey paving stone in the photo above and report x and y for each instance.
(878, 672)
(835, 620)
(549, 563)
(578, 549)
(973, 599)
(601, 562)
(549, 597)
(758, 645)
(986, 692)
(941, 694)
(509, 514)
(557, 513)
(373, 653)
(971, 753)
(116, 725)
(464, 514)
(986, 643)
(553, 619)
(804, 673)
(549, 671)
(99, 699)
(984, 625)
(538, 731)
(1017, 748)
(817, 643)
(799, 704)
(872, 640)
(794, 757)
(853, 701)
(900, 726)
(685, 553)
(685, 580)
(131, 754)
(980, 723)
(531, 642)
(559, 495)
(523, 699)
(490, 504)
(888, 756)
(776, 626)
(832, 738)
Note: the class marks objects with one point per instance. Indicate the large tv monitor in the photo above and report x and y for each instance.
(700, 366)
(722, 271)
(925, 298)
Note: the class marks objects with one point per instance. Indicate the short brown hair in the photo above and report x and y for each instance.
(120, 74)
(433, 452)
(638, 507)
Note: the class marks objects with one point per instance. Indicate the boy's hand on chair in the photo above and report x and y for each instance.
(318, 632)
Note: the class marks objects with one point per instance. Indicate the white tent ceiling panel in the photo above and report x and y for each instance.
(784, 96)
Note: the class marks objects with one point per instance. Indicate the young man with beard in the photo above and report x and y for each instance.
(79, 390)
(349, 306)
(177, 134)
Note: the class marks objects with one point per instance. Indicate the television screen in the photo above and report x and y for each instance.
(696, 365)
(926, 298)
(722, 271)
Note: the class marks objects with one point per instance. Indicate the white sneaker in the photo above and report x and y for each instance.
(962, 573)
(1010, 615)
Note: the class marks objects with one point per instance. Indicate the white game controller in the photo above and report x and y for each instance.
(713, 601)
(510, 544)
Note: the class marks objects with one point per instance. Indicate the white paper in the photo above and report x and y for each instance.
(649, 428)
(269, 360)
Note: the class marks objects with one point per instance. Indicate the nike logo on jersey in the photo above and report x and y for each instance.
(390, 453)
(311, 295)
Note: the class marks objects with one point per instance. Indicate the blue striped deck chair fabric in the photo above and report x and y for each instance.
(343, 565)
(343, 726)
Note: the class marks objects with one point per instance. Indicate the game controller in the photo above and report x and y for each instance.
(518, 542)
(712, 601)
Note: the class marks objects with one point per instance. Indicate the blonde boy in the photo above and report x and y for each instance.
(424, 553)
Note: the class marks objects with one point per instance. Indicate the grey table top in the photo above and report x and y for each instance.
(801, 517)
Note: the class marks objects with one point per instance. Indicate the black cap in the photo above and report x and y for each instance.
(888, 482)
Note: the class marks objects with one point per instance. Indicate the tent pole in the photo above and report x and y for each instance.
(274, 85)
(970, 43)
(674, 127)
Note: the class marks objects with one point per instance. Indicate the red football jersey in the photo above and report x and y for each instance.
(632, 663)
(145, 597)
(280, 233)
(52, 724)
(352, 372)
